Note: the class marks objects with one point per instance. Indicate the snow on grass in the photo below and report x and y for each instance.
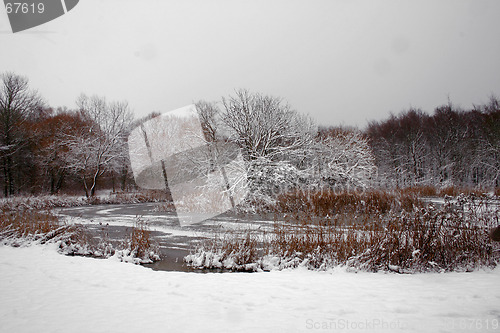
(44, 291)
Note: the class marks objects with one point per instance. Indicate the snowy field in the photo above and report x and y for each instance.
(43, 291)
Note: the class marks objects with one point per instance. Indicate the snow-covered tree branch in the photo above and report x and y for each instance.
(98, 144)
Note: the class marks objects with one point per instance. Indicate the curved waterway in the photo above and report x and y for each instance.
(114, 222)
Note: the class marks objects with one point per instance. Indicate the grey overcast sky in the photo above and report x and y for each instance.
(342, 62)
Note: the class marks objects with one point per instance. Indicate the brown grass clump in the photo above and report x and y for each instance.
(428, 240)
(319, 247)
(453, 236)
(27, 223)
(140, 244)
(331, 203)
(47, 202)
(421, 191)
(129, 197)
(433, 191)
(241, 251)
(20, 228)
(453, 191)
(30, 226)
(237, 251)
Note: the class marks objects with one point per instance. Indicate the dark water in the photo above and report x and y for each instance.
(172, 260)
(115, 222)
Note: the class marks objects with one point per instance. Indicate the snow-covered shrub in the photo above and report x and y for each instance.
(267, 180)
(28, 223)
(228, 251)
(270, 178)
(39, 202)
(345, 159)
(452, 237)
(22, 228)
(139, 245)
(46, 202)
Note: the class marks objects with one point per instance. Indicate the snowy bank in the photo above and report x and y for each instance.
(44, 291)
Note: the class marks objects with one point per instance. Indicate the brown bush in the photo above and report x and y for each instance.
(140, 244)
(422, 239)
(421, 191)
(47, 202)
(27, 223)
(329, 203)
(454, 191)
(31, 226)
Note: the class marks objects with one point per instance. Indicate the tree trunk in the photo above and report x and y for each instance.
(5, 181)
(52, 182)
(60, 181)
(124, 178)
(10, 179)
(85, 187)
(97, 174)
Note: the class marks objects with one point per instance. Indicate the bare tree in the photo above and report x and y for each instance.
(99, 145)
(344, 159)
(209, 114)
(222, 153)
(264, 126)
(17, 103)
(489, 143)
(275, 140)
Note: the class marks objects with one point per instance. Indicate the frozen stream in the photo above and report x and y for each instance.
(115, 221)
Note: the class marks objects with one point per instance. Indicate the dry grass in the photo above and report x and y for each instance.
(27, 223)
(21, 228)
(166, 207)
(30, 226)
(425, 238)
(237, 251)
(433, 191)
(331, 203)
(428, 239)
(52, 201)
(454, 191)
(319, 247)
(139, 243)
(421, 191)
(422, 240)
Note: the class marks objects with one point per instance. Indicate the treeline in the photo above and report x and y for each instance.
(46, 150)
(451, 147)
(43, 150)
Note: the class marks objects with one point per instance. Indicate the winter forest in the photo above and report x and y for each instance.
(341, 228)
(62, 151)
(250, 166)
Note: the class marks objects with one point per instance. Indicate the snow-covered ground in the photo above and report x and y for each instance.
(43, 291)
